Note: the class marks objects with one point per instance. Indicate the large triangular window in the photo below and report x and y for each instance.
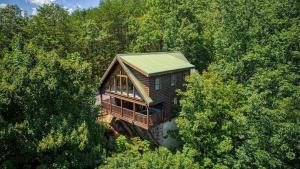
(119, 83)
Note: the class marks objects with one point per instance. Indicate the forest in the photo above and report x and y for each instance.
(242, 110)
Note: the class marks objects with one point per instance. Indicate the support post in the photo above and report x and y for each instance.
(121, 90)
(133, 111)
(115, 84)
(121, 82)
(162, 113)
(121, 108)
(127, 86)
(110, 104)
(147, 117)
(109, 84)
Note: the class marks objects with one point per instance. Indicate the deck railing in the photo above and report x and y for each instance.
(132, 116)
(130, 93)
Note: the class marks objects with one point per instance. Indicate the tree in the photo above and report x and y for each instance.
(243, 112)
(104, 31)
(47, 111)
(96, 45)
(51, 29)
(12, 26)
(137, 154)
(171, 26)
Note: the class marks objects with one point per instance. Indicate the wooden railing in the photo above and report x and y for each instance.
(132, 116)
(141, 118)
(128, 113)
(116, 110)
(130, 94)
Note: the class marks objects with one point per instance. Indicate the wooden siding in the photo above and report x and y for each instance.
(142, 78)
(167, 93)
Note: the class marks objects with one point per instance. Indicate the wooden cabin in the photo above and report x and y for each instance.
(141, 88)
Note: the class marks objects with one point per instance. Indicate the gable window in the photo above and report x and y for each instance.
(173, 80)
(157, 84)
(175, 101)
(113, 83)
(130, 89)
(124, 85)
(118, 84)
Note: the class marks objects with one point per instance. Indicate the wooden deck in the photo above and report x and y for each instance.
(131, 116)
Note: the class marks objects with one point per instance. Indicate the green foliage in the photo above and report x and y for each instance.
(103, 32)
(244, 112)
(47, 111)
(171, 26)
(11, 27)
(210, 122)
(137, 154)
(51, 30)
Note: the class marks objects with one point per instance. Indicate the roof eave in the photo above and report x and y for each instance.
(169, 71)
(107, 71)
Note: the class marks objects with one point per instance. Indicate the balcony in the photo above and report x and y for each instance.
(135, 114)
(129, 93)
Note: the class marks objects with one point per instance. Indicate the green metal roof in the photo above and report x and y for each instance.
(139, 86)
(149, 64)
(157, 62)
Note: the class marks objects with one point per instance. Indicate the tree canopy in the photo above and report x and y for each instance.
(241, 110)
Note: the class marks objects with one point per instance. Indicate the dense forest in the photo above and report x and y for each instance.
(242, 110)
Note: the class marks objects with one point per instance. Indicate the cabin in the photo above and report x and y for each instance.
(140, 89)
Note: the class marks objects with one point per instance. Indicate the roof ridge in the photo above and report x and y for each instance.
(147, 53)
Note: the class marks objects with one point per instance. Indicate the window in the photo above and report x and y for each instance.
(113, 83)
(107, 85)
(175, 101)
(130, 88)
(118, 84)
(173, 80)
(124, 85)
(157, 84)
